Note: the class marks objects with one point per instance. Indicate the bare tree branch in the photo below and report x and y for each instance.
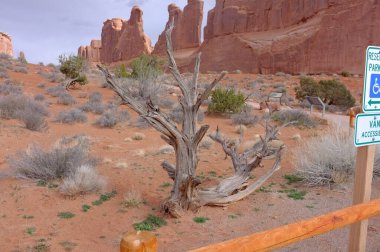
(207, 92)
(173, 65)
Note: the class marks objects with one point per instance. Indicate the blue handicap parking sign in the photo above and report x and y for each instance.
(375, 86)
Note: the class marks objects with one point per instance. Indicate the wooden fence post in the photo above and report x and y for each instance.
(139, 241)
(362, 194)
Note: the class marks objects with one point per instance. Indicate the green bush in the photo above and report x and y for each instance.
(146, 67)
(226, 101)
(332, 92)
(121, 72)
(73, 67)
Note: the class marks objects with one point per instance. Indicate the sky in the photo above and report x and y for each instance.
(44, 29)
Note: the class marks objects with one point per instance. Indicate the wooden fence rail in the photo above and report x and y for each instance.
(288, 234)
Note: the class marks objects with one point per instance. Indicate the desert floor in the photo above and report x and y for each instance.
(135, 165)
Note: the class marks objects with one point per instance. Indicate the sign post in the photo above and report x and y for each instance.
(367, 133)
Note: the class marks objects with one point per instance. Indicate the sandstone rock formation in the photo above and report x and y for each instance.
(121, 40)
(291, 36)
(187, 31)
(6, 44)
(133, 41)
(91, 52)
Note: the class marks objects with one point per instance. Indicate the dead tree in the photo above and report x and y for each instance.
(185, 195)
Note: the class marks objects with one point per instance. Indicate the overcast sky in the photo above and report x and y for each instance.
(44, 29)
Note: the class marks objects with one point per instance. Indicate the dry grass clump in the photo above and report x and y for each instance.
(166, 149)
(138, 136)
(240, 129)
(58, 162)
(56, 91)
(9, 88)
(245, 118)
(298, 117)
(328, 159)
(68, 160)
(82, 180)
(66, 99)
(71, 116)
(112, 117)
(206, 143)
(39, 97)
(131, 199)
(26, 110)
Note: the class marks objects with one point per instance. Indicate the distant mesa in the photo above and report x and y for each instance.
(6, 44)
(254, 36)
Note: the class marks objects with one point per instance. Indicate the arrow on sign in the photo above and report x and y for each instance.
(373, 102)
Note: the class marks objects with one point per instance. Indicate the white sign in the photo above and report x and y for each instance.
(371, 96)
(367, 130)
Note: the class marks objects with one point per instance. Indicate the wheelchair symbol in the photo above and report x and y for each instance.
(376, 87)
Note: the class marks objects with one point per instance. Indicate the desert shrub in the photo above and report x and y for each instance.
(146, 67)
(176, 115)
(150, 223)
(297, 117)
(335, 93)
(226, 101)
(245, 118)
(121, 72)
(52, 76)
(326, 159)
(95, 97)
(56, 91)
(66, 99)
(112, 117)
(71, 116)
(345, 74)
(10, 105)
(41, 85)
(32, 120)
(10, 88)
(39, 97)
(82, 180)
(59, 162)
(20, 69)
(332, 92)
(94, 107)
(73, 68)
(107, 120)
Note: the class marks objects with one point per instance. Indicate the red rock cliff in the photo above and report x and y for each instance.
(187, 31)
(6, 44)
(132, 41)
(91, 52)
(290, 35)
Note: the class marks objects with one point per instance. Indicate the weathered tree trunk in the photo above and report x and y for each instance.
(185, 195)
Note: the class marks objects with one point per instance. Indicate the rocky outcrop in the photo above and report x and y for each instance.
(122, 40)
(187, 30)
(293, 36)
(111, 32)
(6, 44)
(133, 41)
(91, 52)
